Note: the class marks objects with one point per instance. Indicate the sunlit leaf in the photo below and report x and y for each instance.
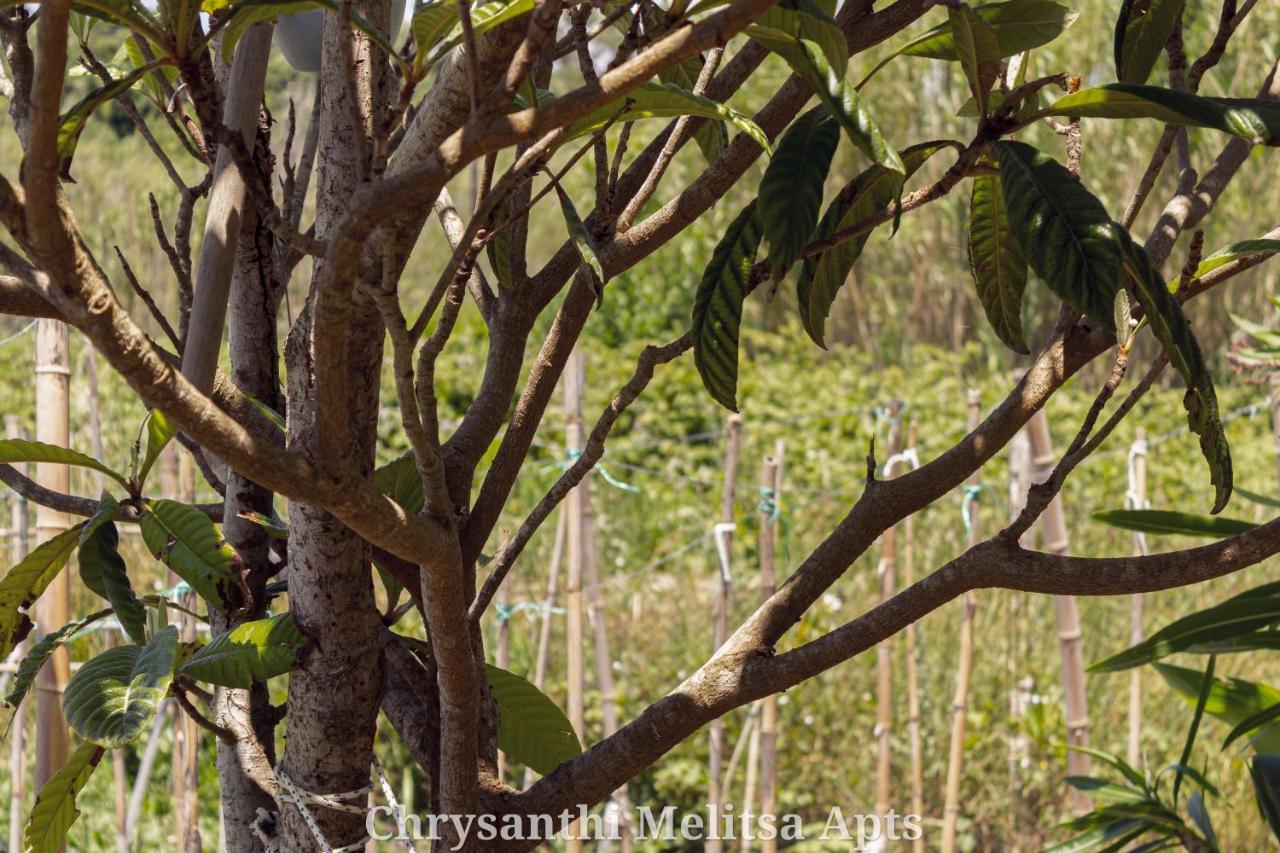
(55, 809)
(251, 651)
(113, 697)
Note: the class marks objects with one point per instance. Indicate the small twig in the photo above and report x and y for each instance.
(224, 735)
(147, 300)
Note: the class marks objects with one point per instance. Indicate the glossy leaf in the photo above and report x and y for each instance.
(790, 195)
(160, 431)
(1231, 700)
(1253, 119)
(1140, 38)
(185, 540)
(1164, 521)
(978, 50)
(1164, 314)
(21, 450)
(583, 242)
(1227, 254)
(822, 276)
(251, 651)
(717, 307)
(40, 652)
(113, 697)
(103, 571)
(531, 729)
(25, 582)
(1236, 617)
(1065, 232)
(996, 260)
(1018, 25)
(400, 481)
(663, 100)
(55, 808)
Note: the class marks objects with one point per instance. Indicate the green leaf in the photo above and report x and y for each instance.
(1264, 770)
(804, 19)
(1065, 232)
(1112, 830)
(1019, 25)
(160, 431)
(71, 123)
(1140, 38)
(712, 137)
(531, 729)
(1232, 700)
(40, 652)
(1164, 314)
(400, 481)
(1200, 817)
(978, 49)
(430, 23)
(25, 582)
(1106, 791)
(583, 242)
(185, 540)
(21, 450)
(1264, 717)
(822, 276)
(104, 572)
(662, 100)
(717, 307)
(790, 194)
(1264, 500)
(1165, 521)
(252, 651)
(108, 510)
(113, 697)
(1234, 252)
(1253, 119)
(1236, 617)
(998, 265)
(55, 808)
(834, 91)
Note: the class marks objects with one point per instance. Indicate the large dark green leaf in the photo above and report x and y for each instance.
(400, 481)
(807, 59)
(103, 571)
(40, 652)
(21, 450)
(717, 307)
(1019, 25)
(804, 19)
(1164, 521)
(978, 49)
(1065, 232)
(1232, 700)
(1236, 617)
(822, 276)
(1164, 313)
(186, 540)
(998, 265)
(1141, 35)
(531, 729)
(583, 242)
(55, 809)
(25, 582)
(1264, 770)
(1253, 119)
(791, 191)
(251, 651)
(112, 699)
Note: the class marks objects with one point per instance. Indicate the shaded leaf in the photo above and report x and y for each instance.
(804, 19)
(71, 123)
(1231, 700)
(1264, 771)
(996, 260)
(104, 572)
(21, 450)
(1164, 521)
(1140, 38)
(790, 194)
(1265, 717)
(978, 50)
(55, 808)
(400, 481)
(40, 652)
(25, 582)
(1251, 118)
(1236, 617)
(1018, 25)
(251, 651)
(583, 243)
(113, 697)
(531, 729)
(185, 540)
(717, 307)
(108, 510)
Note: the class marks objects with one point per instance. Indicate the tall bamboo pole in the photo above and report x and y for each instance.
(771, 479)
(18, 542)
(884, 651)
(1137, 499)
(186, 733)
(913, 667)
(574, 380)
(548, 603)
(1020, 686)
(720, 627)
(53, 413)
(1054, 529)
(964, 667)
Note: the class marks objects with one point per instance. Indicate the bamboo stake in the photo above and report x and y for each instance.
(720, 629)
(964, 667)
(913, 671)
(1020, 690)
(544, 630)
(884, 651)
(186, 733)
(53, 379)
(770, 513)
(574, 379)
(1137, 499)
(1054, 529)
(18, 542)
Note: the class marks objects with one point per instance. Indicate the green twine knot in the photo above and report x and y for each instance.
(971, 491)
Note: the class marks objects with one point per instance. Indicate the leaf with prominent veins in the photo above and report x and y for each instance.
(996, 260)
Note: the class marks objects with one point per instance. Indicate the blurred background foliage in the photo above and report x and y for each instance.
(908, 327)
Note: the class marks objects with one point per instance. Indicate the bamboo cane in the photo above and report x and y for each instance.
(913, 668)
(1137, 499)
(720, 619)
(964, 667)
(884, 651)
(544, 630)
(18, 542)
(574, 379)
(186, 733)
(1020, 689)
(53, 379)
(770, 513)
(1054, 529)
